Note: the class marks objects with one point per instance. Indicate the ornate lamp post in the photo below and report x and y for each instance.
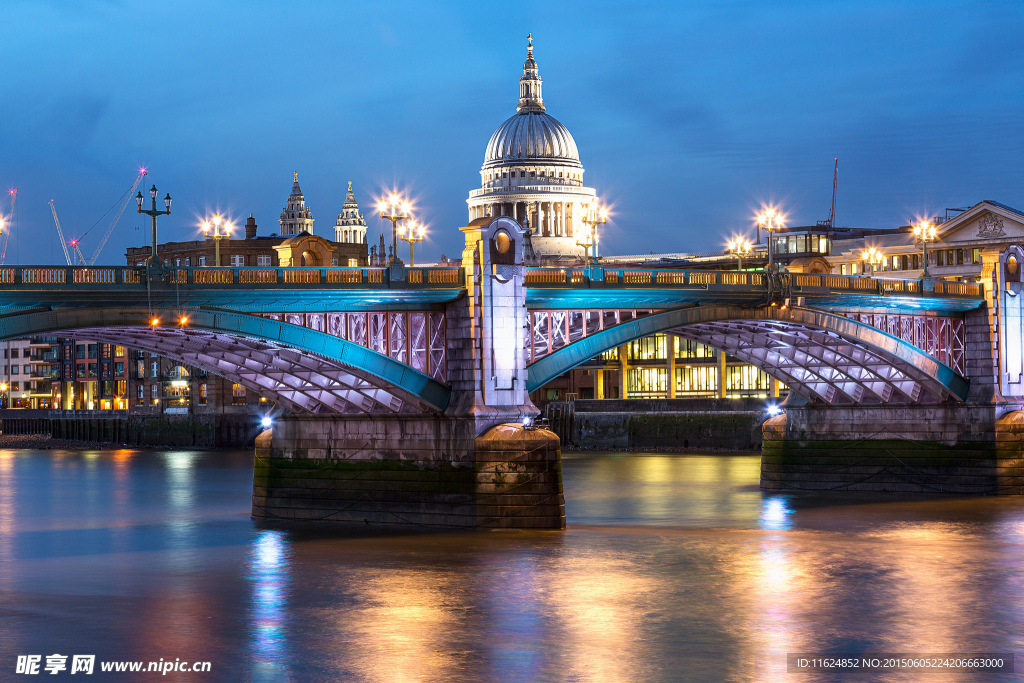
(925, 232)
(154, 212)
(417, 231)
(770, 220)
(739, 247)
(601, 217)
(389, 210)
(872, 257)
(213, 230)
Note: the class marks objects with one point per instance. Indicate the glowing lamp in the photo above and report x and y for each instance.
(154, 322)
(266, 422)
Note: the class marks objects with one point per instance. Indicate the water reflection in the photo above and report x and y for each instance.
(269, 576)
(674, 567)
(775, 513)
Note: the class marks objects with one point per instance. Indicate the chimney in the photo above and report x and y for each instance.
(250, 228)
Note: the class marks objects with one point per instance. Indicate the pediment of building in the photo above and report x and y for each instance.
(984, 222)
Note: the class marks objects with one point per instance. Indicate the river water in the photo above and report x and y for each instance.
(674, 567)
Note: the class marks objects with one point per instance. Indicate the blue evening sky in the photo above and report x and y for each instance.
(687, 115)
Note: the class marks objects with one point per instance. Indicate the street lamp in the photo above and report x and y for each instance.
(770, 220)
(394, 203)
(872, 257)
(739, 247)
(601, 217)
(3, 394)
(417, 231)
(218, 233)
(154, 212)
(925, 232)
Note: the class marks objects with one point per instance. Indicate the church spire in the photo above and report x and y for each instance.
(529, 85)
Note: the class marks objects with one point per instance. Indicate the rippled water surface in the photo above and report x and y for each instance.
(675, 567)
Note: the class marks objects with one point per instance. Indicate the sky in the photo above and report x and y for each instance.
(688, 116)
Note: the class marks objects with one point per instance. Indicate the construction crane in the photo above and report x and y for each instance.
(9, 223)
(75, 249)
(831, 222)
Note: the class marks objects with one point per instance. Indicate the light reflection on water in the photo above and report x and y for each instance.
(674, 567)
(269, 574)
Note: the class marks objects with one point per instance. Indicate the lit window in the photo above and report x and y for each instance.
(202, 260)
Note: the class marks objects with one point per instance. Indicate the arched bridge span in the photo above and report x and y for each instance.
(305, 370)
(820, 355)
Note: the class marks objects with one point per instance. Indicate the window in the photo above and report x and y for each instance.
(915, 261)
(92, 369)
(895, 262)
(334, 260)
(92, 350)
(187, 259)
(353, 263)
(687, 348)
(696, 381)
(842, 269)
(177, 261)
(854, 268)
(154, 368)
(202, 394)
(80, 371)
(118, 369)
(27, 369)
(202, 260)
(14, 353)
(976, 256)
(237, 394)
(237, 261)
(153, 392)
(746, 380)
(15, 386)
(647, 348)
(959, 256)
(140, 394)
(647, 382)
(119, 351)
(140, 369)
(263, 260)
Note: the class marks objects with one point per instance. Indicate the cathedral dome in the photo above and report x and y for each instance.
(530, 136)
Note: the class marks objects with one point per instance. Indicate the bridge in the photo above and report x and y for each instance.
(346, 340)
(416, 365)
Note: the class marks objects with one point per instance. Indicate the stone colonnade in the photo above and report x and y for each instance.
(546, 219)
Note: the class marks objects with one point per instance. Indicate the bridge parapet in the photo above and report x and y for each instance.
(600, 277)
(380, 278)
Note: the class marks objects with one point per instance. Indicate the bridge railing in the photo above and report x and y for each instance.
(63, 276)
(801, 282)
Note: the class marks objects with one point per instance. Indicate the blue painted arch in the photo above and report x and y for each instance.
(378, 369)
(882, 358)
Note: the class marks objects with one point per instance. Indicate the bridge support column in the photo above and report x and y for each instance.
(477, 465)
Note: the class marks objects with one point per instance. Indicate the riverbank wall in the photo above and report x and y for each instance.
(119, 427)
(640, 424)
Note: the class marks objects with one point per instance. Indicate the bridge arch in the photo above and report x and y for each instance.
(305, 370)
(820, 355)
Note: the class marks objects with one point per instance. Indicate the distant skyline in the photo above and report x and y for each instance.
(688, 117)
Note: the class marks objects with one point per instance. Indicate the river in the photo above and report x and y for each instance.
(674, 567)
